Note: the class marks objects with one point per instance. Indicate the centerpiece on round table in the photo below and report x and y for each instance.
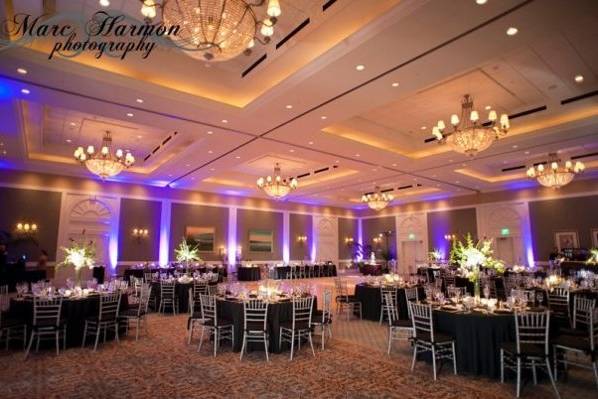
(186, 253)
(593, 259)
(79, 255)
(471, 257)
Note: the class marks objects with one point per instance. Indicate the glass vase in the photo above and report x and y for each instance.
(476, 289)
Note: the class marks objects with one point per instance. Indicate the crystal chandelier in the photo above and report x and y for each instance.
(378, 200)
(468, 135)
(276, 186)
(556, 175)
(215, 30)
(104, 163)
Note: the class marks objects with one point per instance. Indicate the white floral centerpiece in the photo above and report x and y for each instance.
(434, 256)
(471, 257)
(186, 253)
(80, 255)
(593, 259)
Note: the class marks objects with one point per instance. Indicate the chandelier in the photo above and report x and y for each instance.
(216, 30)
(557, 174)
(468, 135)
(104, 163)
(275, 186)
(378, 200)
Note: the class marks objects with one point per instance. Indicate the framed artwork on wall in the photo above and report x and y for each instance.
(594, 238)
(203, 237)
(260, 240)
(566, 239)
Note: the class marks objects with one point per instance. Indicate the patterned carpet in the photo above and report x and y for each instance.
(162, 365)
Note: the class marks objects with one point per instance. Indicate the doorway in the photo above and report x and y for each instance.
(505, 250)
(409, 256)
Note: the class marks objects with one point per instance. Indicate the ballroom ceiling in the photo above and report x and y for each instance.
(206, 127)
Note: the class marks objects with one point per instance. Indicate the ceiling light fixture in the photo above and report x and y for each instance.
(130, 114)
(218, 30)
(103, 163)
(468, 135)
(378, 200)
(578, 78)
(512, 31)
(225, 121)
(22, 71)
(395, 84)
(139, 100)
(288, 106)
(276, 186)
(105, 3)
(555, 174)
(25, 91)
(481, 2)
(360, 67)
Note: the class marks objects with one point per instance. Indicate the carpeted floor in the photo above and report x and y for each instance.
(162, 365)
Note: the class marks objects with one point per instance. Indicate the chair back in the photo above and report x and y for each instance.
(144, 297)
(449, 281)
(558, 301)
(389, 304)
(46, 311)
(213, 289)
(302, 308)
(340, 286)
(529, 295)
(582, 310)
(327, 306)
(200, 287)
(136, 282)
(489, 282)
(148, 277)
(532, 328)
(109, 306)
(256, 314)
(421, 319)
(167, 289)
(208, 308)
(593, 329)
(4, 301)
(411, 295)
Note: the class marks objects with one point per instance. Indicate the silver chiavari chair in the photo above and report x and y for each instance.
(323, 319)
(195, 314)
(47, 323)
(8, 326)
(558, 303)
(218, 328)
(530, 349)
(582, 310)
(168, 296)
(200, 287)
(300, 325)
(107, 319)
(398, 330)
(411, 294)
(4, 300)
(138, 314)
(255, 325)
(213, 289)
(425, 339)
(383, 308)
(570, 344)
(345, 302)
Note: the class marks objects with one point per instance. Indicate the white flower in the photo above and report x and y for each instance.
(473, 257)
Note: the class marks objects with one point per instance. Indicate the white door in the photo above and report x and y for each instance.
(409, 256)
(505, 250)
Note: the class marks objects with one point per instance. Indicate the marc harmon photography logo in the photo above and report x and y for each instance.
(103, 34)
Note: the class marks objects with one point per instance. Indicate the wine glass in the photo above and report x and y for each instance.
(486, 292)
(540, 298)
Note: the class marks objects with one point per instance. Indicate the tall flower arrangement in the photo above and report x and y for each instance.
(80, 255)
(186, 253)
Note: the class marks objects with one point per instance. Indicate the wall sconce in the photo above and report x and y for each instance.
(450, 237)
(349, 241)
(377, 240)
(140, 233)
(301, 240)
(26, 228)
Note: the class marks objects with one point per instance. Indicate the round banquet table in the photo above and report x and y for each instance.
(181, 293)
(322, 270)
(248, 273)
(74, 312)
(371, 301)
(278, 313)
(478, 338)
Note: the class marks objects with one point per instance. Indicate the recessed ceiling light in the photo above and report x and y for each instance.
(22, 71)
(450, 160)
(457, 182)
(291, 150)
(210, 151)
(394, 164)
(212, 169)
(323, 117)
(139, 136)
(434, 175)
(73, 124)
(224, 121)
(337, 161)
(130, 114)
(423, 128)
(210, 132)
(25, 91)
(238, 157)
(69, 140)
(526, 153)
(515, 146)
(104, 3)
(357, 155)
(360, 67)
(288, 106)
(139, 100)
(487, 108)
(395, 84)
(170, 175)
(481, 2)
(578, 78)
(311, 143)
(187, 164)
(512, 31)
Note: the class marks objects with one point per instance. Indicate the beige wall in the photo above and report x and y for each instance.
(454, 221)
(139, 214)
(373, 226)
(346, 228)
(300, 225)
(248, 219)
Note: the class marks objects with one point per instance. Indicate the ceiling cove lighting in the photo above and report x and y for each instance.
(276, 186)
(217, 30)
(104, 163)
(378, 200)
(468, 135)
(555, 174)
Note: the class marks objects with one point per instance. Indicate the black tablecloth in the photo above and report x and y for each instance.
(478, 338)
(277, 313)
(98, 273)
(372, 270)
(248, 273)
(371, 301)
(12, 275)
(571, 267)
(181, 292)
(311, 270)
(74, 312)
